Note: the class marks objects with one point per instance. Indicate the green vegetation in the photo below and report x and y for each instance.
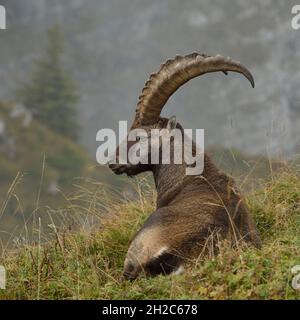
(50, 95)
(87, 264)
(37, 166)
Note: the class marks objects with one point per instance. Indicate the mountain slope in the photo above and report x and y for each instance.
(37, 168)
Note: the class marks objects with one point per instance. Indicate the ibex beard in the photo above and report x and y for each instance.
(191, 209)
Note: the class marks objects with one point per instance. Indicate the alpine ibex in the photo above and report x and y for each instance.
(190, 209)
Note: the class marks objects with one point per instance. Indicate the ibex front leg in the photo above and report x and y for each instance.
(151, 251)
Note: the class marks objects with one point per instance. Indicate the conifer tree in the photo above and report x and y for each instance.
(50, 95)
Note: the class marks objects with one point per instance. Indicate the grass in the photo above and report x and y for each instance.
(45, 163)
(84, 262)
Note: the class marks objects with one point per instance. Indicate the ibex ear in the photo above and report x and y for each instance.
(172, 122)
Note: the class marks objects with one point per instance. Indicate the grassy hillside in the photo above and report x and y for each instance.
(87, 264)
(35, 165)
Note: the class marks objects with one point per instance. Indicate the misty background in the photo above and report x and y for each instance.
(114, 45)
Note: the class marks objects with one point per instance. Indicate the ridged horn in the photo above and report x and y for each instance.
(173, 74)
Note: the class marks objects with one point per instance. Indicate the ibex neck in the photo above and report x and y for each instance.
(171, 179)
(168, 181)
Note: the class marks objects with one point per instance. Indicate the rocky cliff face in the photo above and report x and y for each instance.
(113, 45)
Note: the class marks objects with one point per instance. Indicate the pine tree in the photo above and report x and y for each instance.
(50, 95)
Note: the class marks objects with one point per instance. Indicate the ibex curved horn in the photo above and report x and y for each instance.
(173, 74)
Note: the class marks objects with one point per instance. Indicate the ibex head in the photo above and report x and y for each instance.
(159, 88)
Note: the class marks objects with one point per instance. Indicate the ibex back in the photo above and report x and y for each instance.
(191, 210)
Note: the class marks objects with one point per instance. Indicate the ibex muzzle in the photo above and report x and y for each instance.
(191, 210)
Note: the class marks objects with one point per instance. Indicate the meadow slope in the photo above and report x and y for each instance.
(86, 262)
